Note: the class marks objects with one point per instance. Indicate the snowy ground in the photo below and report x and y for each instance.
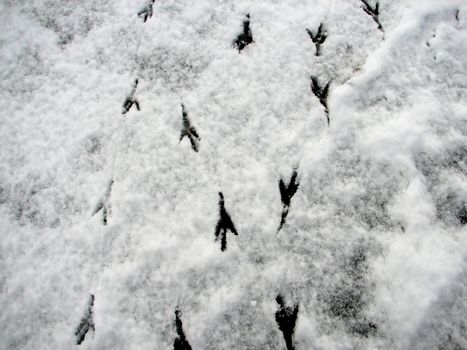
(374, 249)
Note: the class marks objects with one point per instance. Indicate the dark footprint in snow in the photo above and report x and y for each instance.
(104, 205)
(146, 11)
(131, 100)
(225, 223)
(432, 37)
(286, 195)
(246, 37)
(286, 317)
(321, 94)
(87, 322)
(373, 12)
(319, 38)
(189, 131)
(180, 342)
(461, 215)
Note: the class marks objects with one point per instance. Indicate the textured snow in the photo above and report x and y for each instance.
(374, 248)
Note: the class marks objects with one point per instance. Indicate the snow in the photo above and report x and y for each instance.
(377, 218)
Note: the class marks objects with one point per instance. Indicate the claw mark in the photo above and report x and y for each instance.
(225, 223)
(286, 318)
(189, 131)
(286, 195)
(180, 342)
(246, 37)
(322, 94)
(373, 12)
(130, 99)
(146, 11)
(318, 39)
(428, 42)
(87, 322)
(104, 205)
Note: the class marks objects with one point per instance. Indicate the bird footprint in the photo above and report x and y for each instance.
(245, 38)
(146, 11)
(130, 100)
(180, 342)
(286, 195)
(189, 131)
(87, 322)
(322, 94)
(319, 38)
(104, 205)
(225, 223)
(373, 12)
(286, 318)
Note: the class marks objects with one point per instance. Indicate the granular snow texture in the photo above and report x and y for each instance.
(102, 200)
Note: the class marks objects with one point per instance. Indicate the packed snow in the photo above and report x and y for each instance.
(110, 192)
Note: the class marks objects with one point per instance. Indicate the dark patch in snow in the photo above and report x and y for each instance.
(147, 11)
(176, 67)
(444, 324)
(286, 318)
(3, 195)
(92, 144)
(225, 223)
(428, 42)
(373, 12)
(130, 99)
(104, 205)
(462, 214)
(319, 38)
(87, 322)
(453, 207)
(440, 169)
(189, 131)
(30, 204)
(349, 299)
(69, 22)
(245, 38)
(180, 342)
(322, 94)
(286, 195)
(457, 158)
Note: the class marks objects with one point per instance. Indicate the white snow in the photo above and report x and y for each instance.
(376, 221)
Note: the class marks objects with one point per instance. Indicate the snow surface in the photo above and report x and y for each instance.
(374, 248)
